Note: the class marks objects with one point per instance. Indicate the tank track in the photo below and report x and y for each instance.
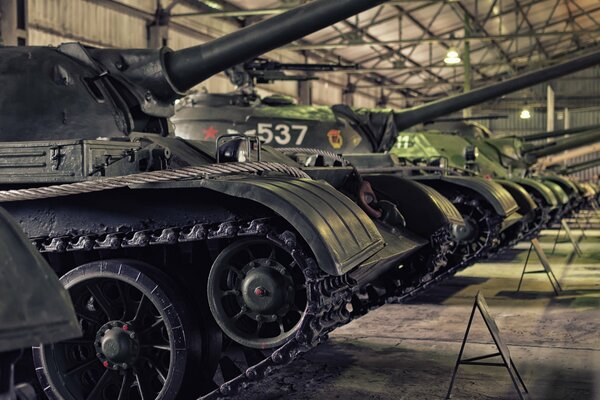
(328, 296)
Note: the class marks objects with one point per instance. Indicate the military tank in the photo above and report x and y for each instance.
(34, 306)
(511, 156)
(340, 129)
(193, 272)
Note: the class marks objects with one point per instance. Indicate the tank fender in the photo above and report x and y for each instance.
(542, 190)
(559, 192)
(338, 232)
(569, 187)
(521, 196)
(424, 209)
(498, 197)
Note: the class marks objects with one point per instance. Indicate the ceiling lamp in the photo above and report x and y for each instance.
(525, 113)
(452, 56)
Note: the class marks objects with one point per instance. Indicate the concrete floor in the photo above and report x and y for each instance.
(408, 351)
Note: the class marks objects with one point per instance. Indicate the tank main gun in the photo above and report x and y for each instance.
(410, 117)
(560, 133)
(79, 92)
(574, 168)
(193, 65)
(532, 154)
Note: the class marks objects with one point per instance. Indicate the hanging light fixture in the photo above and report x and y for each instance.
(452, 56)
(525, 113)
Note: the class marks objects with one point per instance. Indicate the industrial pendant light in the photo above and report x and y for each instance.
(452, 56)
(525, 113)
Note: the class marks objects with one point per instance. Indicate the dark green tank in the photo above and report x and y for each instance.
(193, 271)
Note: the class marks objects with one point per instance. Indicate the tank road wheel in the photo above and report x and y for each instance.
(135, 343)
(257, 293)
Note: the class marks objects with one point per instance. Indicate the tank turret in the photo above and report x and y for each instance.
(74, 91)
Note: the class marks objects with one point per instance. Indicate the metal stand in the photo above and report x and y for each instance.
(565, 226)
(580, 226)
(556, 239)
(571, 237)
(503, 351)
(535, 244)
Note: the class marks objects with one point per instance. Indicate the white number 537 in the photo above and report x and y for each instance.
(281, 134)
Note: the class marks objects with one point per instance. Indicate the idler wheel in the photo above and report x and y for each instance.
(136, 342)
(257, 293)
(468, 232)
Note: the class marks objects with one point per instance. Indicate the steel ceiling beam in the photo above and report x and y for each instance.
(547, 25)
(422, 6)
(439, 39)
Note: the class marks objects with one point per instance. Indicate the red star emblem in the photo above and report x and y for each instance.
(210, 133)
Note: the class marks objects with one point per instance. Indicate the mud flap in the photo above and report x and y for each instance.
(424, 209)
(338, 232)
(561, 195)
(498, 197)
(542, 190)
(569, 187)
(524, 200)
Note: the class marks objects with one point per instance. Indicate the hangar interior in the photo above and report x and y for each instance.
(397, 55)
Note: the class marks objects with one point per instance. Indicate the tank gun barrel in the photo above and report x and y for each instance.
(561, 145)
(427, 112)
(563, 132)
(188, 67)
(572, 169)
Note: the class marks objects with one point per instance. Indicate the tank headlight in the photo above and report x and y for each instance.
(234, 150)
(443, 163)
(471, 153)
(440, 162)
(238, 148)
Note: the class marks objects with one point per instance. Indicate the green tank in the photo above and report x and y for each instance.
(509, 157)
(504, 212)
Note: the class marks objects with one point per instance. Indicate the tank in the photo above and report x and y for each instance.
(194, 269)
(34, 307)
(341, 129)
(515, 156)
(503, 159)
